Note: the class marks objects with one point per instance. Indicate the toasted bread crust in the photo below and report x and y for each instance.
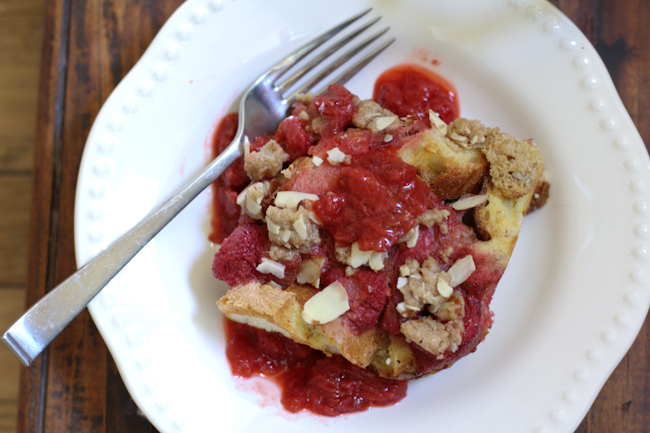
(515, 166)
(450, 170)
(274, 309)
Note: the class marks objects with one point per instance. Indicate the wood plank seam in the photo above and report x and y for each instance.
(58, 144)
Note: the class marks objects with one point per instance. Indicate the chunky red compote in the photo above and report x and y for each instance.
(336, 206)
(375, 200)
(413, 90)
(309, 379)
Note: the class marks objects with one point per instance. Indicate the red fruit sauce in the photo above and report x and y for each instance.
(309, 379)
(225, 210)
(375, 202)
(413, 90)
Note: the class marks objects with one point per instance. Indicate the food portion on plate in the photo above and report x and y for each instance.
(364, 240)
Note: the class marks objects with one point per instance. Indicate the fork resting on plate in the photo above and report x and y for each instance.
(264, 104)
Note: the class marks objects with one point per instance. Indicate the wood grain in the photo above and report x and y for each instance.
(20, 38)
(41, 240)
(11, 303)
(14, 214)
(21, 33)
(88, 48)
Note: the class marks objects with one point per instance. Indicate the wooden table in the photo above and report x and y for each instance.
(88, 48)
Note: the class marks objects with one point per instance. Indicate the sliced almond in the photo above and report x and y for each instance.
(326, 305)
(285, 235)
(291, 199)
(241, 198)
(303, 115)
(272, 227)
(444, 288)
(252, 206)
(247, 146)
(359, 258)
(270, 267)
(273, 284)
(317, 161)
(461, 270)
(300, 228)
(376, 261)
(437, 122)
(413, 240)
(388, 138)
(404, 271)
(313, 218)
(382, 123)
(309, 272)
(402, 282)
(335, 156)
(458, 137)
(469, 202)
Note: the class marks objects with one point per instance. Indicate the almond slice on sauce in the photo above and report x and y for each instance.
(335, 156)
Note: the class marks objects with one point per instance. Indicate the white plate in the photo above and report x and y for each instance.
(567, 309)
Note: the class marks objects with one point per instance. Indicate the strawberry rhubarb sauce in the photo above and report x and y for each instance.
(308, 378)
(364, 197)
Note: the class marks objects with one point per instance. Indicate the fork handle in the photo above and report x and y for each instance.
(36, 329)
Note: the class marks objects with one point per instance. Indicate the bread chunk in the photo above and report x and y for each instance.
(449, 169)
(515, 166)
(277, 310)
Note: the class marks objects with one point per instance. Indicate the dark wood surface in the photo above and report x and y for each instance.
(89, 45)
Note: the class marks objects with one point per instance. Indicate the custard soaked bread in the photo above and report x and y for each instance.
(376, 237)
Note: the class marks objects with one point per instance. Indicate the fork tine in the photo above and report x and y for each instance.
(324, 55)
(350, 72)
(283, 65)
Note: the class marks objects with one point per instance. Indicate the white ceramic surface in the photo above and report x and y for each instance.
(567, 309)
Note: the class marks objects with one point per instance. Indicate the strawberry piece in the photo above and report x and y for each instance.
(391, 320)
(352, 142)
(240, 254)
(290, 272)
(291, 135)
(336, 105)
(313, 180)
(367, 294)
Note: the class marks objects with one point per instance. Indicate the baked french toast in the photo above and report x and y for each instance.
(377, 237)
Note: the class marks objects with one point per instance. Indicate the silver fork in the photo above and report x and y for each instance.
(263, 106)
